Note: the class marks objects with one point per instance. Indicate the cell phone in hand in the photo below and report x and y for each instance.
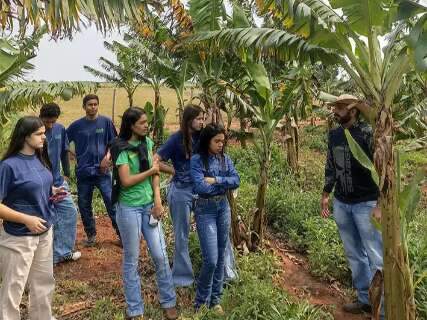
(153, 221)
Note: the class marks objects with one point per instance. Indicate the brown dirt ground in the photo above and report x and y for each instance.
(101, 265)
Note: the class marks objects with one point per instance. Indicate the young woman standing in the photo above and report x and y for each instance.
(213, 173)
(139, 210)
(27, 211)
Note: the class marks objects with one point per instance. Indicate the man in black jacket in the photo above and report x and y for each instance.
(355, 199)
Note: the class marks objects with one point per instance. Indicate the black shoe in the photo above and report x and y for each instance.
(357, 308)
(90, 242)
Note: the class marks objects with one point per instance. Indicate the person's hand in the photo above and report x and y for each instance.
(58, 190)
(72, 155)
(324, 204)
(35, 224)
(376, 214)
(105, 164)
(157, 211)
(210, 180)
(155, 168)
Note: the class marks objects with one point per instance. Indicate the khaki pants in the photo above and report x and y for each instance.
(26, 259)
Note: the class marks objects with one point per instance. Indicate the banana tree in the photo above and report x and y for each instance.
(124, 74)
(64, 17)
(319, 27)
(16, 94)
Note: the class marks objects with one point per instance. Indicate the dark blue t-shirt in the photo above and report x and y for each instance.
(25, 186)
(173, 150)
(57, 143)
(91, 138)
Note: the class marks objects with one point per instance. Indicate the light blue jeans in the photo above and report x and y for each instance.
(213, 227)
(180, 202)
(362, 243)
(133, 223)
(65, 227)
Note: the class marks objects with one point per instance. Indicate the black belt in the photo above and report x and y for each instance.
(213, 198)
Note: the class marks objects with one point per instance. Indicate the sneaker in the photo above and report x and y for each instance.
(170, 313)
(218, 310)
(73, 256)
(90, 242)
(357, 308)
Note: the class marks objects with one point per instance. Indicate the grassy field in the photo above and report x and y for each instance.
(72, 109)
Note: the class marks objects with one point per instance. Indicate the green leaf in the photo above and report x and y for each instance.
(259, 75)
(376, 224)
(361, 156)
(239, 17)
(409, 198)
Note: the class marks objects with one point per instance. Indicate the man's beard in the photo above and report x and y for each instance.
(343, 120)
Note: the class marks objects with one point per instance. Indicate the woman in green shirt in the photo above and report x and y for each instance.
(139, 210)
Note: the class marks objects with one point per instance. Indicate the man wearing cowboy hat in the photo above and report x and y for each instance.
(355, 198)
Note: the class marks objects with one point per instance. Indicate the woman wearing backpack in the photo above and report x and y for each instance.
(139, 210)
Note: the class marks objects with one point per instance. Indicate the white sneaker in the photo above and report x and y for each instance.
(73, 256)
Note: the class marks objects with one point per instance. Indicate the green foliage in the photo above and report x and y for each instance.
(418, 255)
(315, 138)
(325, 250)
(255, 295)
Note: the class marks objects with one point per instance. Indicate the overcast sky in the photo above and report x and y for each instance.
(63, 60)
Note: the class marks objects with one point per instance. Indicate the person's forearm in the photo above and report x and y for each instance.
(11, 215)
(156, 189)
(131, 180)
(165, 168)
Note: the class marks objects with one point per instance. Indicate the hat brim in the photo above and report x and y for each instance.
(343, 101)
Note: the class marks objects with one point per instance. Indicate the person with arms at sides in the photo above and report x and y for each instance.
(355, 199)
(179, 148)
(26, 208)
(91, 136)
(213, 173)
(136, 188)
(65, 226)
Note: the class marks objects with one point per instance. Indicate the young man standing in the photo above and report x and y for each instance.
(355, 199)
(91, 136)
(64, 229)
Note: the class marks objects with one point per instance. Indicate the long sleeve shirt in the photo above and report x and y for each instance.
(220, 168)
(351, 182)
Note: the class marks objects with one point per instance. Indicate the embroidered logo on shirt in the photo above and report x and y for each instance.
(99, 130)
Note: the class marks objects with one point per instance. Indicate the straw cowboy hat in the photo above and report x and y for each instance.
(345, 99)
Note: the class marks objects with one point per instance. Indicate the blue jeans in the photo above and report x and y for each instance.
(85, 187)
(213, 227)
(65, 227)
(133, 223)
(180, 201)
(362, 243)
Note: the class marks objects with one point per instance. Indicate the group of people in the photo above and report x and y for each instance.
(39, 216)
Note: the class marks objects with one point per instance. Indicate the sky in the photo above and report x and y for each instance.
(63, 60)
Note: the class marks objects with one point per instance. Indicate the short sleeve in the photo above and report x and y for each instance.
(122, 158)
(167, 150)
(6, 179)
(65, 142)
(70, 133)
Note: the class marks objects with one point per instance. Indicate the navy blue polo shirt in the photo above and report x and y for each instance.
(91, 138)
(173, 150)
(25, 186)
(57, 143)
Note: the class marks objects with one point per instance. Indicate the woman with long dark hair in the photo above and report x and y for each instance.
(179, 148)
(26, 196)
(213, 173)
(139, 210)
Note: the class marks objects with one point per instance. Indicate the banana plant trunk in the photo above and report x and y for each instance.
(398, 287)
(242, 135)
(258, 223)
(291, 137)
(157, 134)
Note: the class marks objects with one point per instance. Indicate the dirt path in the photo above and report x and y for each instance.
(297, 281)
(100, 266)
